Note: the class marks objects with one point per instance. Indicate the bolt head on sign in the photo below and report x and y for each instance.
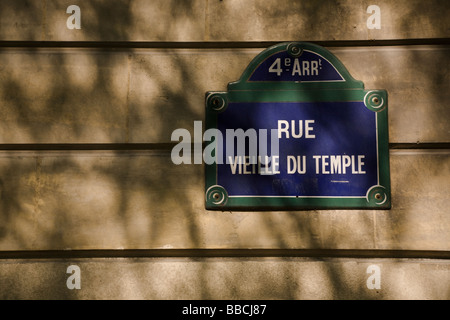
(297, 131)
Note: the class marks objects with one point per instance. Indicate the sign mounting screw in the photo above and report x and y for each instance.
(294, 50)
(374, 100)
(216, 102)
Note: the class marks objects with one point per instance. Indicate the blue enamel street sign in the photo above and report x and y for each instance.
(297, 132)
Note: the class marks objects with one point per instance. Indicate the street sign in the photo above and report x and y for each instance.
(297, 131)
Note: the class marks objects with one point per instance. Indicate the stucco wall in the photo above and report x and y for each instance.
(86, 179)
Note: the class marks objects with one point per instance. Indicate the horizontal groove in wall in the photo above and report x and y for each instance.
(432, 145)
(165, 146)
(86, 146)
(214, 44)
(225, 253)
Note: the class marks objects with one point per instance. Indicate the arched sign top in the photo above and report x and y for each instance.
(295, 65)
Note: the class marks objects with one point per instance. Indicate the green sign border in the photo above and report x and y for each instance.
(349, 90)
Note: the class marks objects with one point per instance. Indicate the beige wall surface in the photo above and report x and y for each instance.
(60, 95)
(229, 20)
(86, 178)
(225, 278)
(141, 200)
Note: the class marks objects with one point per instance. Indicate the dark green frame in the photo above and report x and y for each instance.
(377, 197)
